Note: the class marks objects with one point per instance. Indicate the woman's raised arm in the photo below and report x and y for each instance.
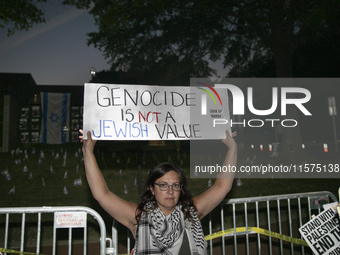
(212, 197)
(123, 211)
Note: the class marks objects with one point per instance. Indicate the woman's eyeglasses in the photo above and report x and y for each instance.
(165, 186)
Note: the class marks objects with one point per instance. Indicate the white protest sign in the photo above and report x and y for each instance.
(141, 112)
(330, 205)
(323, 233)
(70, 219)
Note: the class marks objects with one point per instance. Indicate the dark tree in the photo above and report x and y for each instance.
(167, 71)
(316, 57)
(242, 32)
(20, 14)
(237, 30)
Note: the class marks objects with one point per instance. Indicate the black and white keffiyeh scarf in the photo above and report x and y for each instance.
(156, 233)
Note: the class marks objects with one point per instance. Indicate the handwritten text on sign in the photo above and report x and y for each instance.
(140, 112)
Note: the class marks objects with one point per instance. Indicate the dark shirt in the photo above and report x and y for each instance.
(185, 248)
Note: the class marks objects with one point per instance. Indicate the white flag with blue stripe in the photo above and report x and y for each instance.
(55, 117)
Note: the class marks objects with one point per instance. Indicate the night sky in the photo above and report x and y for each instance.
(55, 52)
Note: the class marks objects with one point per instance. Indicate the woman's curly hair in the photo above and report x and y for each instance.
(185, 197)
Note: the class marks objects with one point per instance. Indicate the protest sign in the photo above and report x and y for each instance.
(323, 233)
(141, 112)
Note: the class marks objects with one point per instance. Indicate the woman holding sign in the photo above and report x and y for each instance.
(167, 218)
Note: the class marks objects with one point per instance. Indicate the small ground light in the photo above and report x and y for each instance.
(303, 146)
(261, 147)
(270, 147)
(325, 147)
(252, 146)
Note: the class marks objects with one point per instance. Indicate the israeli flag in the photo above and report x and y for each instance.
(55, 117)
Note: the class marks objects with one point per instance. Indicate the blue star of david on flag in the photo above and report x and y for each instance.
(54, 117)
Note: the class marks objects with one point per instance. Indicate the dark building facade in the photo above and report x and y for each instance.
(20, 108)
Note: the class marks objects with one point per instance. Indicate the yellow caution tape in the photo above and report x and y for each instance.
(259, 231)
(17, 252)
(213, 236)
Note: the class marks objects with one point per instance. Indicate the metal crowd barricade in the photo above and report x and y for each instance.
(63, 217)
(115, 237)
(283, 214)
